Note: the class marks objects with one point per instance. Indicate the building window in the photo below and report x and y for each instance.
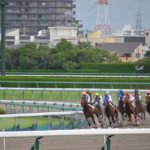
(147, 33)
(137, 55)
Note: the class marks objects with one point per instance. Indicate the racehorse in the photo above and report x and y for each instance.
(148, 104)
(121, 109)
(148, 107)
(140, 107)
(130, 110)
(101, 113)
(90, 113)
(112, 114)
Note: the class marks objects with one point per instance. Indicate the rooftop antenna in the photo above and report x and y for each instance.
(138, 29)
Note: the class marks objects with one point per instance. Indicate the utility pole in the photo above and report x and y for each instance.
(2, 48)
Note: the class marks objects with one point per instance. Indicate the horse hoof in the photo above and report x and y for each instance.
(137, 123)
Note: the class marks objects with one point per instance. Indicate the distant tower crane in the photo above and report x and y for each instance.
(102, 19)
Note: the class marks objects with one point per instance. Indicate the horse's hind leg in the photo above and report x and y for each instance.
(96, 121)
(90, 122)
(144, 113)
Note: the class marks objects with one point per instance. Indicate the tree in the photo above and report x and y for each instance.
(43, 57)
(64, 55)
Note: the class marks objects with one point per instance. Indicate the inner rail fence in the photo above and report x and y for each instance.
(53, 94)
(53, 121)
(16, 106)
(62, 84)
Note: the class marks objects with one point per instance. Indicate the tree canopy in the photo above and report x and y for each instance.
(64, 55)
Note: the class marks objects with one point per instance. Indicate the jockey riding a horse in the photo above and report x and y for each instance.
(88, 96)
(91, 100)
(131, 98)
(120, 96)
(121, 104)
(98, 101)
(108, 99)
(137, 95)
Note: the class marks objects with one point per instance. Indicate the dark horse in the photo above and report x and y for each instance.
(121, 108)
(130, 110)
(99, 107)
(112, 114)
(140, 107)
(90, 113)
(148, 104)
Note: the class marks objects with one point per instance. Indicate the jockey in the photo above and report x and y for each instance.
(90, 97)
(137, 95)
(87, 98)
(131, 98)
(148, 96)
(120, 95)
(98, 99)
(107, 99)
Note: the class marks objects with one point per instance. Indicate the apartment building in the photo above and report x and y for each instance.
(31, 16)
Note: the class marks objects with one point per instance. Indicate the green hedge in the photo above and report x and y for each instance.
(110, 68)
(27, 81)
(90, 68)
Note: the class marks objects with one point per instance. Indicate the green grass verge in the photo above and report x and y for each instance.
(24, 122)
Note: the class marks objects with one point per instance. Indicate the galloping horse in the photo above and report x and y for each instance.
(112, 114)
(148, 102)
(140, 107)
(148, 107)
(130, 109)
(99, 107)
(121, 108)
(90, 113)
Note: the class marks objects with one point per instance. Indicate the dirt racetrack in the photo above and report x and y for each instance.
(119, 142)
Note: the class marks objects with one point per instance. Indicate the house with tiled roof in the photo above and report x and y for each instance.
(127, 52)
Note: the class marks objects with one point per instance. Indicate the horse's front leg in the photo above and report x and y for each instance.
(136, 117)
(130, 118)
(109, 119)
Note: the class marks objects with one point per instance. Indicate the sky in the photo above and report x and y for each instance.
(121, 13)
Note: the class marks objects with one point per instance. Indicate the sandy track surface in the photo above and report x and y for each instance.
(119, 142)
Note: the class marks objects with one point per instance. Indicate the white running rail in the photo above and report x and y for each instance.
(40, 114)
(116, 131)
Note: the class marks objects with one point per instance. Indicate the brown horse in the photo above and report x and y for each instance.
(90, 113)
(112, 114)
(148, 107)
(148, 103)
(121, 109)
(130, 110)
(140, 107)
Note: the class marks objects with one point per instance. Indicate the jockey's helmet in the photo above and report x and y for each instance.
(88, 91)
(127, 93)
(136, 91)
(148, 92)
(106, 92)
(121, 91)
(83, 93)
(97, 94)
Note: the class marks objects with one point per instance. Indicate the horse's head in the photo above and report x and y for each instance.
(126, 97)
(83, 100)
